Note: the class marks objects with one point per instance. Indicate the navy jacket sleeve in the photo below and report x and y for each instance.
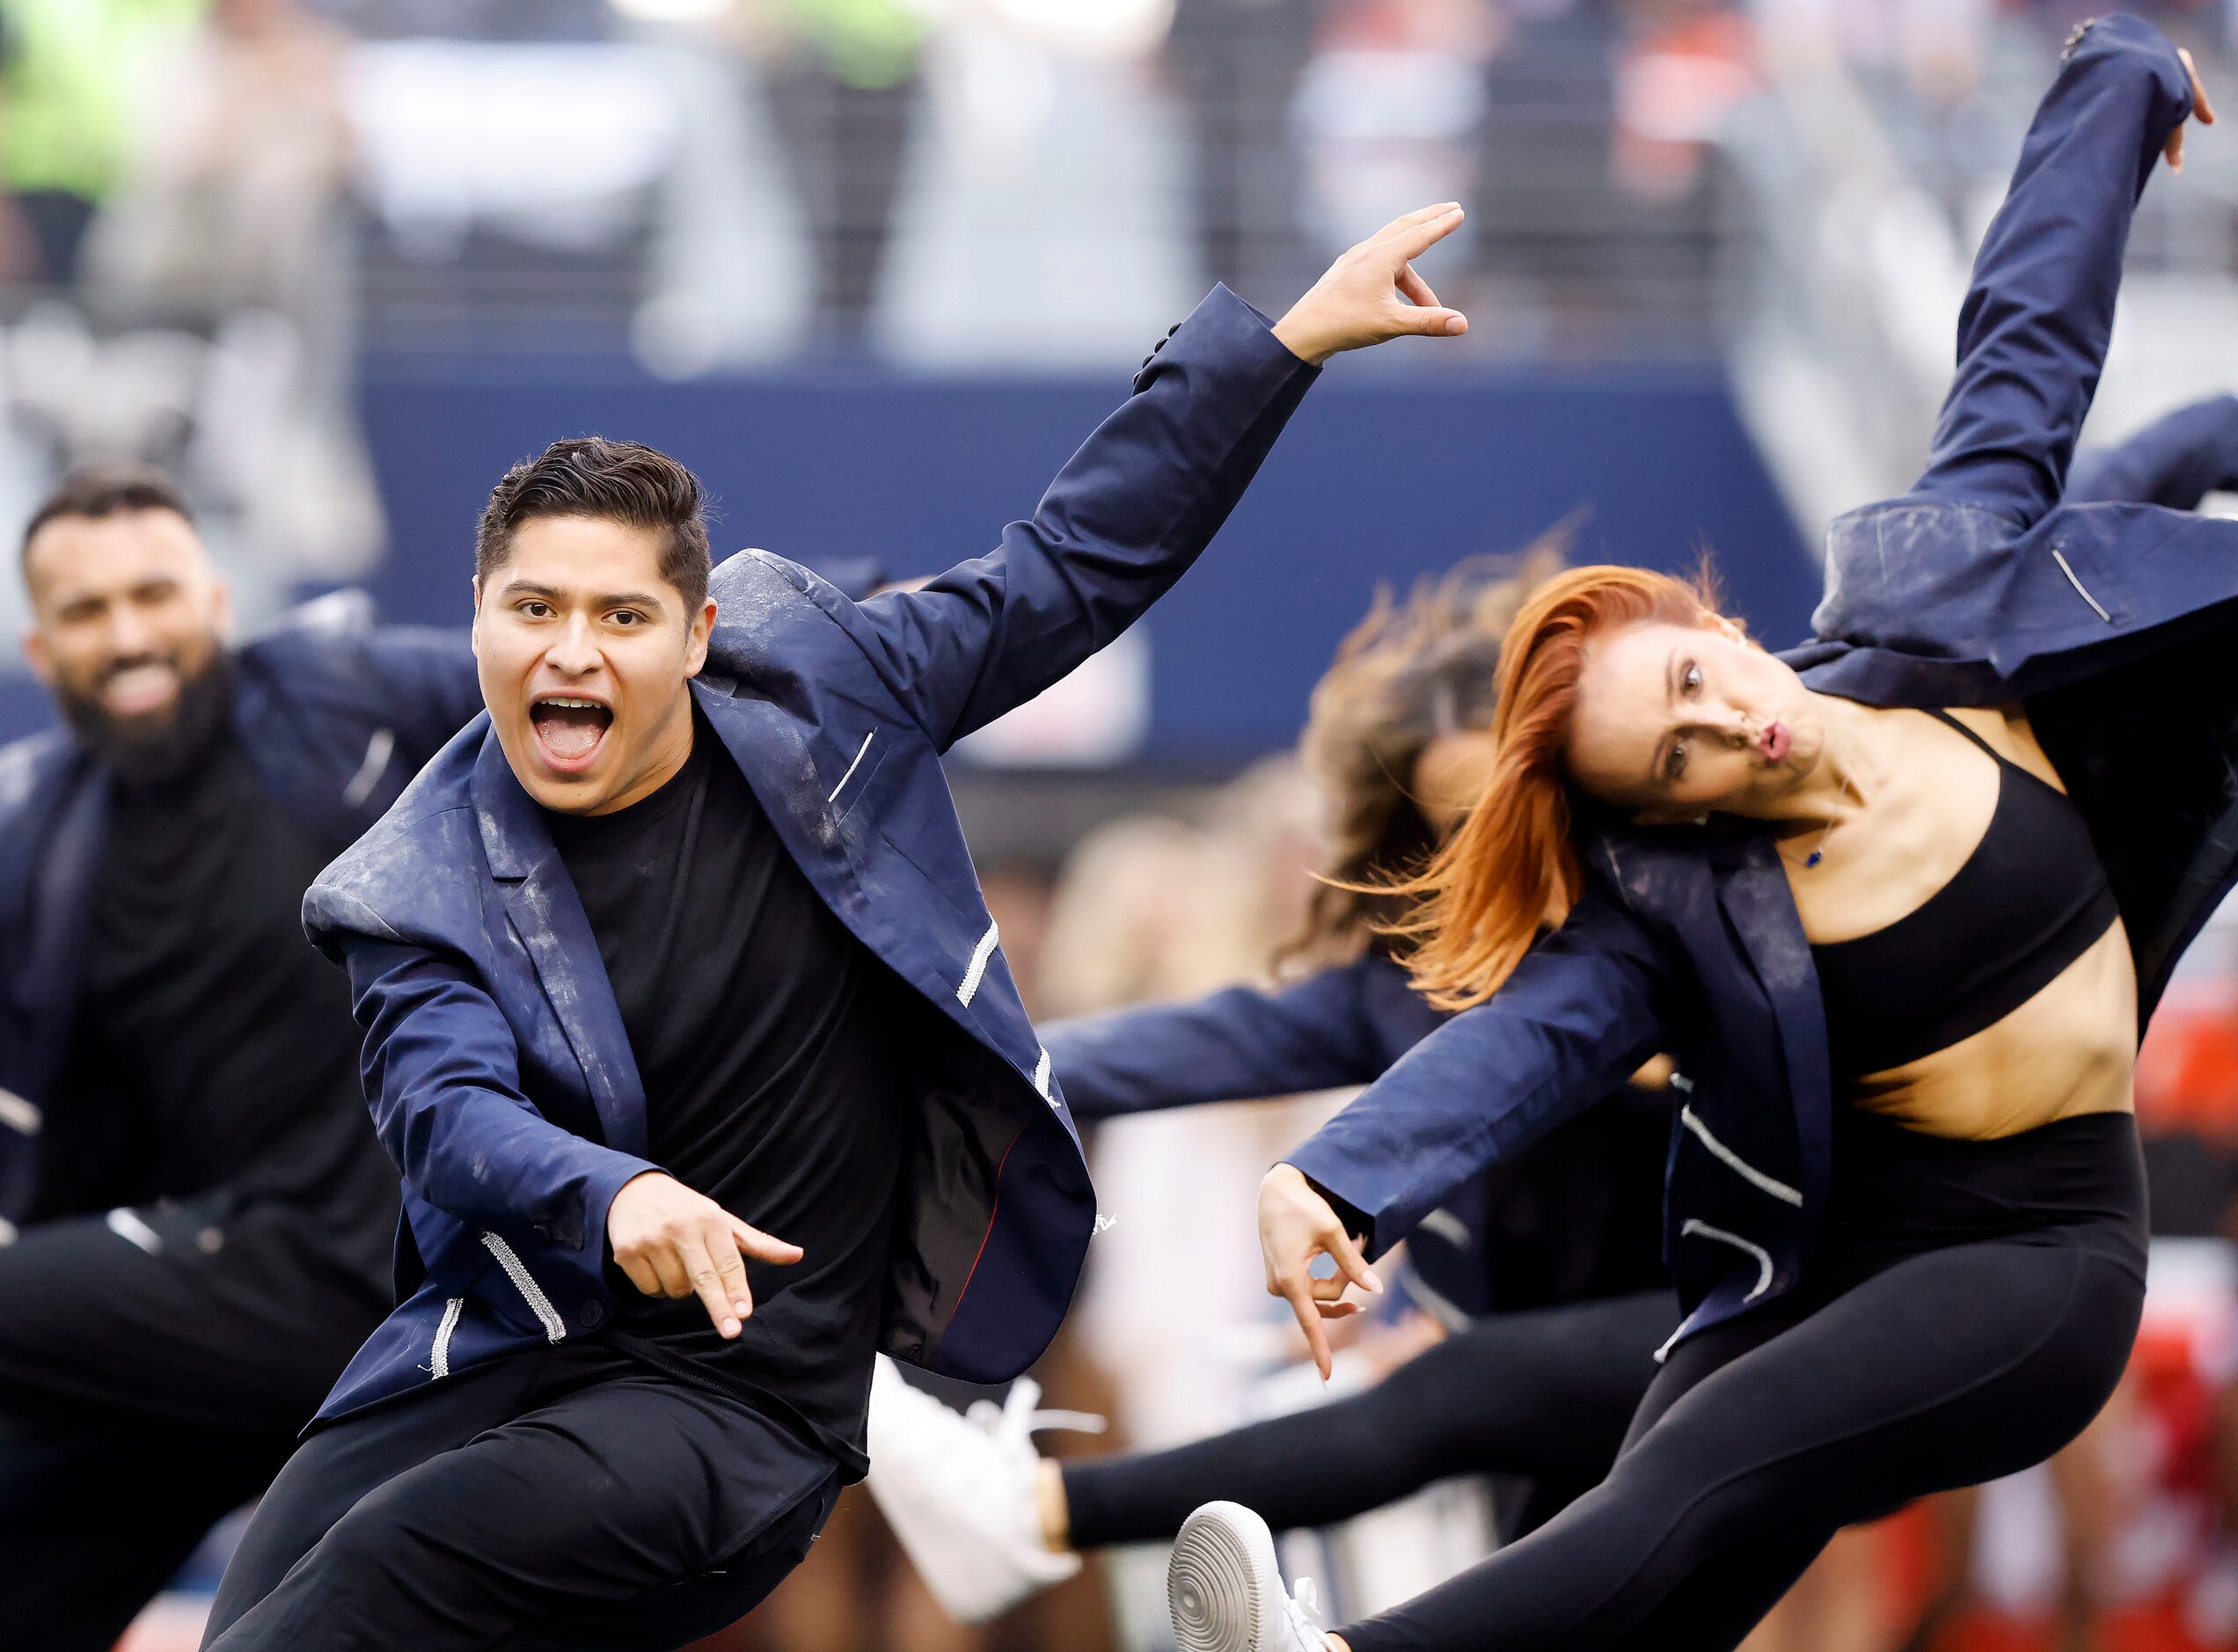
(1240, 1044)
(1123, 521)
(1579, 1015)
(2175, 462)
(2032, 333)
(428, 683)
(442, 1075)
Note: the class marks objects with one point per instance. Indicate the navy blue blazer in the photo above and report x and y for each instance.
(496, 1064)
(1564, 1223)
(2112, 622)
(335, 716)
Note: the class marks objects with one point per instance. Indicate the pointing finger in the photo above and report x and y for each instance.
(763, 1247)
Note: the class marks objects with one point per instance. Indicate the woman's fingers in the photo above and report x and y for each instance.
(1344, 1250)
(2202, 109)
(1297, 1291)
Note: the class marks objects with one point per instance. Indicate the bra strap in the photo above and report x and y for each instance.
(1941, 716)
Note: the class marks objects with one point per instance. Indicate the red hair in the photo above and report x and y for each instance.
(1512, 868)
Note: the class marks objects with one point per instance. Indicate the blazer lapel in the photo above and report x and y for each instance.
(548, 916)
(1752, 890)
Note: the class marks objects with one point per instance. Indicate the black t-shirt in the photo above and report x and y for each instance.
(213, 1061)
(759, 1025)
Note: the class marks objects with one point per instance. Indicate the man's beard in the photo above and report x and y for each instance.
(160, 746)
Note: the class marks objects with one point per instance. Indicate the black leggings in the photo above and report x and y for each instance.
(1546, 1394)
(1969, 1309)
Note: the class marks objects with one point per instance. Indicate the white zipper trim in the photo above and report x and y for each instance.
(439, 1355)
(1763, 1257)
(1671, 1342)
(1734, 1162)
(980, 953)
(1041, 1076)
(851, 767)
(19, 1115)
(126, 1225)
(555, 1329)
(378, 751)
(2057, 557)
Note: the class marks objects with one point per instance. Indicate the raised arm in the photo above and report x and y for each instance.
(442, 1075)
(2175, 462)
(1144, 494)
(1579, 1015)
(1331, 1028)
(2032, 333)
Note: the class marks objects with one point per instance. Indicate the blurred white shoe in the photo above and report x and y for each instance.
(958, 1490)
(1225, 1592)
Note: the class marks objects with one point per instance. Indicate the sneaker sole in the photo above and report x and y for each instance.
(1221, 1586)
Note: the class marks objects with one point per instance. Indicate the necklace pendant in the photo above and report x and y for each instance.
(1817, 855)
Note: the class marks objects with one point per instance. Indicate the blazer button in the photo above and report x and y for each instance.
(590, 1316)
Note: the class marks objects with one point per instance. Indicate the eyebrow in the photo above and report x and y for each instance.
(619, 599)
(1669, 698)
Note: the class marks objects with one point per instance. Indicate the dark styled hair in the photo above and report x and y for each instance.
(1407, 674)
(606, 481)
(106, 489)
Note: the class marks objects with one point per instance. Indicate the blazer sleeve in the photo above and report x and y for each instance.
(2032, 333)
(1240, 1044)
(1123, 521)
(2175, 462)
(441, 1076)
(1577, 1018)
(427, 682)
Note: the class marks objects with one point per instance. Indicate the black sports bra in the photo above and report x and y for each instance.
(2030, 900)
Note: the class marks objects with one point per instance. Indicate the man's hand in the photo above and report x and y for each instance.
(2202, 111)
(1372, 293)
(1297, 1225)
(673, 1242)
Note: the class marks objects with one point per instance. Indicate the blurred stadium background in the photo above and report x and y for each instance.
(872, 267)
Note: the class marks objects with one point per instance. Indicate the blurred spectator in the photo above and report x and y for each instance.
(230, 222)
(71, 73)
(1237, 64)
(845, 90)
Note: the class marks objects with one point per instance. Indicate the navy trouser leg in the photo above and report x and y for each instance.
(525, 1508)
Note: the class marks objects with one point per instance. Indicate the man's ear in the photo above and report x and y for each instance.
(36, 655)
(695, 646)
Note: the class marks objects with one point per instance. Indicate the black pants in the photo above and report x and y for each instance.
(563, 1498)
(1546, 1394)
(1970, 1309)
(148, 1385)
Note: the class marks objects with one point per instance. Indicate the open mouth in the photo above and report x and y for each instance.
(569, 729)
(1776, 741)
(139, 688)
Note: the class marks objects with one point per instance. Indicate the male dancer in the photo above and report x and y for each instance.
(689, 1032)
(194, 1217)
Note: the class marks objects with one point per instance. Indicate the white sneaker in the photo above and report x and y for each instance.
(1225, 1591)
(958, 1491)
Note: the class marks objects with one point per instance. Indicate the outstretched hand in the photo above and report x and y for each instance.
(675, 1243)
(1372, 293)
(1297, 1225)
(2202, 111)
